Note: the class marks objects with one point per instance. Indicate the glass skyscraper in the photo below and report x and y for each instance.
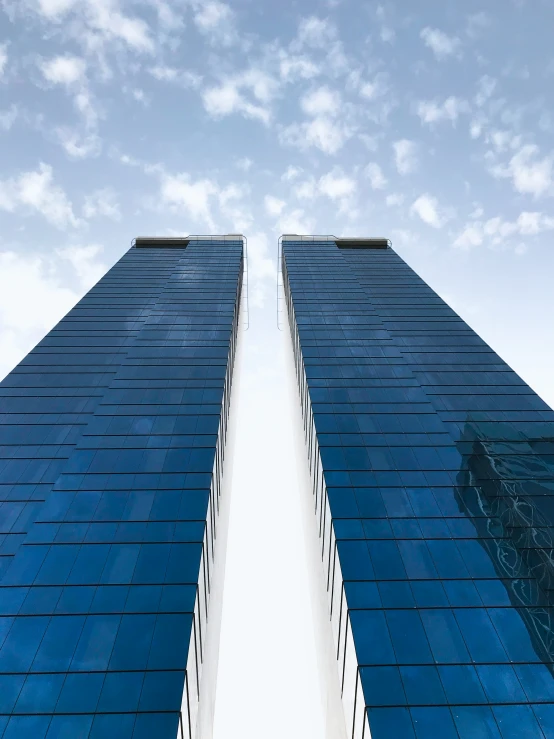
(112, 437)
(432, 473)
(432, 466)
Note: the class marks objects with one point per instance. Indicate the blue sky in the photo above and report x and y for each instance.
(429, 123)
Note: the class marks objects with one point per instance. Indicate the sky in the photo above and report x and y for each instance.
(428, 123)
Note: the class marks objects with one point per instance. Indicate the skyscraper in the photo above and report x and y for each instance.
(432, 466)
(112, 439)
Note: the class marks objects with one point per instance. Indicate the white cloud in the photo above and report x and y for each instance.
(83, 261)
(322, 101)
(262, 271)
(35, 191)
(296, 67)
(104, 17)
(102, 203)
(405, 156)
(184, 77)
(233, 208)
(296, 222)
(32, 301)
(63, 70)
(305, 190)
(3, 59)
(180, 193)
(339, 188)
(427, 208)
(496, 230)
(78, 145)
(477, 23)
(439, 42)
(8, 117)
(273, 205)
(70, 71)
(530, 175)
(140, 96)
(244, 164)
(430, 111)
(315, 32)
(216, 20)
(485, 88)
(55, 8)
(291, 173)
(377, 179)
(321, 133)
(229, 97)
(394, 199)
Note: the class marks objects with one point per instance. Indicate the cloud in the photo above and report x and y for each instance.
(78, 145)
(233, 208)
(262, 270)
(184, 77)
(244, 164)
(69, 71)
(497, 231)
(394, 199)
(336, 185)
(529, 174)
(377, 179)
(440, 43)
(322, 101)
(273, 205)
(3, 59)
(296, 222)
(291, 173)
(294, 67)
(315, 32)
(63, 70)
(216, 20)
(306, 190)
(105, 18)
(477, 23)
(35, 192)
(54, 9)
(102, 203)
(180, 193)
(33, 299)
(8, 117)
(229, 97)
(321, 133)
(94, 23)
(405, 156)
(427, 208)
(83, 261)
(485, 88)
(431, 111)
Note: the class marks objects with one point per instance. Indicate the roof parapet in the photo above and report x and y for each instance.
(180, 242)
(343, 242)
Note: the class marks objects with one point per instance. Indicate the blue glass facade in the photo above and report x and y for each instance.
(433, 478)
(112, 435)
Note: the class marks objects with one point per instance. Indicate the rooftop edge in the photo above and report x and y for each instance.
(344, 242)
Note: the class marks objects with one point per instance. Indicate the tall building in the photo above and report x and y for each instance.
(432, 469)
(112, 438)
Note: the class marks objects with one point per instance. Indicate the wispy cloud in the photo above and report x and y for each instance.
(528, 172)
(496, 231)
(405, 156)
(427, 208)
(34, 192)
(432, 111)
(441, 44)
